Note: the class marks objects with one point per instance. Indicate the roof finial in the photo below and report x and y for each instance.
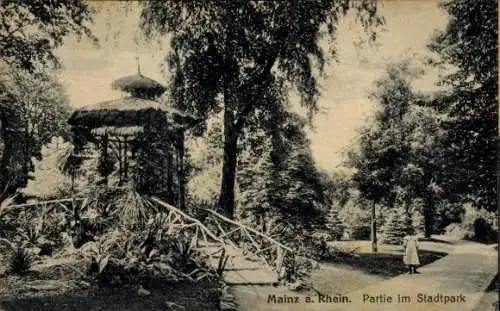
(138, 65)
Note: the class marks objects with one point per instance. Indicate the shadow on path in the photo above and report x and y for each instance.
(383, 264)
(490, 300)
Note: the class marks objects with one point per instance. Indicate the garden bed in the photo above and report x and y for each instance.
(62, 288)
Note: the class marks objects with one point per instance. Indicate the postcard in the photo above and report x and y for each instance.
(249, 155)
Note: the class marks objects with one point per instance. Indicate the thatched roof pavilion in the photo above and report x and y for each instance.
(137, 124)
(130, 111)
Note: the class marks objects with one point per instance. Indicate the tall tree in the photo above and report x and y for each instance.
(43, 104)
(31, 30)
(404, 150)
(37, 110)
(383, 148)
(469, 43)
(29, 33)
(227, 55)
(423, 177)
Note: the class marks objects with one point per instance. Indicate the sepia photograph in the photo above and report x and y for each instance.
(249, 155)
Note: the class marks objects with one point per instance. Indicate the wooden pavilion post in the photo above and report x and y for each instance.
(120, 161)
(373, 228)
(170, 175)
(181, 200)
(105, 156)
(125, 159)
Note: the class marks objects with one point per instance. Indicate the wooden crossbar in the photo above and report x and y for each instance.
(204, 229)
(264, 249)
(45, 202)
(250, 230)
(251, 239)
(230, 232)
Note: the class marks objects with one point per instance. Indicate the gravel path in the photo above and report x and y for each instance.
(460, 278)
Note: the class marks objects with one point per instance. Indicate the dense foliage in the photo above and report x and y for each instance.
(35, 108)
(439, 149)
(29, 35)
(225, 55)
(279, 187)
(32, 102)
(400, 150)
(469, 43)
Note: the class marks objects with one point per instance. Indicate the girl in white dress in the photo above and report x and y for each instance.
(410, 257)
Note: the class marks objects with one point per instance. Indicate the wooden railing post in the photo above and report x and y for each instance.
(279, 260)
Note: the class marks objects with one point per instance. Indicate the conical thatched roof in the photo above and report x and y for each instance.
(139, 85)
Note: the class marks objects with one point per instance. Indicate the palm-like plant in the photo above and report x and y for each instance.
(134, 210)
(20, 259)
(70, 163)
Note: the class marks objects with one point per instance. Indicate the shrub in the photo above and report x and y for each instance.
(360, 232)
(133, 210)
(19, 257)
(320, 244)
(297, 272)
(122, 256)
(477, 224)
(457, 231)
(20, 260)
(483, 230)
(356, 220)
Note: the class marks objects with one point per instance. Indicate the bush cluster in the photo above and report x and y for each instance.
(123, 237)
(476, 224)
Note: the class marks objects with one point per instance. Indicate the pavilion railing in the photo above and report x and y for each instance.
(221, 230)
(49, 204)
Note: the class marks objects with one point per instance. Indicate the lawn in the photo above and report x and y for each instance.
(388, 260)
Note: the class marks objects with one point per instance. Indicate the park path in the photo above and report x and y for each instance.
(241, 270)
(466, 271)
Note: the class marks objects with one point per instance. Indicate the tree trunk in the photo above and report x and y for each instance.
(428, 217)
(170, 177)
(374, 229)
(6, 153)
(226, 199)
(13, 152)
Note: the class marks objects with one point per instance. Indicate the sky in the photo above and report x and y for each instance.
(344, 104)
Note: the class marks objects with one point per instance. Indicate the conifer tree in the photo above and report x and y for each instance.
(335, 226)
(394, 229)
(255, 178)
(278, 179)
